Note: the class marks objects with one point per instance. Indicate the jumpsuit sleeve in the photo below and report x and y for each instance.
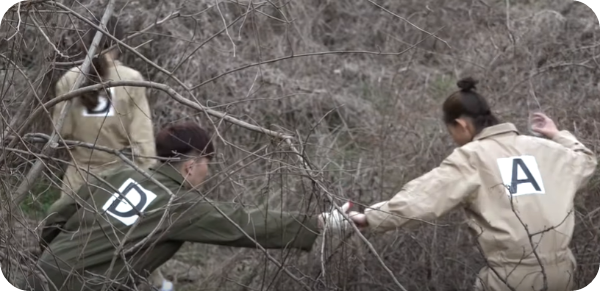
(270, 229)
(60, 213)
(62, 87)
(429, 196)
(584, 161)
(140, 129)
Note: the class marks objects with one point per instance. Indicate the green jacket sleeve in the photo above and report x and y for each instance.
(59, 213)
(204, 223)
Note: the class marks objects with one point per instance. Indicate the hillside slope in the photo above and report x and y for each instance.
(359, 83)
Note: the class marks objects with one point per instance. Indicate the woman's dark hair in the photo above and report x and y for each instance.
(468, 103)
(100, 63)
(183, 139)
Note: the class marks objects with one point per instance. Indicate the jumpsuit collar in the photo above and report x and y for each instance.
(170, 172)
(499, 129)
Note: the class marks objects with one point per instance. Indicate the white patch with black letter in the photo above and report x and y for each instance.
(134, 199)
(521, 175)
(104, 107)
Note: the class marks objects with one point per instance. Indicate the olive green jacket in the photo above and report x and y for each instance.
(83, 238)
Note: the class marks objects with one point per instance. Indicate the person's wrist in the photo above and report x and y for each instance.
(552, 134)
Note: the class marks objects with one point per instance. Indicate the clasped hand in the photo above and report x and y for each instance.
(335, 221)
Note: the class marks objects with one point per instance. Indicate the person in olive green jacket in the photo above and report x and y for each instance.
(117, 118)
(85, 243)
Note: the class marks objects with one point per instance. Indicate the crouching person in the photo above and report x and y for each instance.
(105, 240)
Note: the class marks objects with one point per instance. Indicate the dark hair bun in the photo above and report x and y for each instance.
(467, 84)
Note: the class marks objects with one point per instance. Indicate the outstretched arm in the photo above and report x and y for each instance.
(229, 224)
(427, 197)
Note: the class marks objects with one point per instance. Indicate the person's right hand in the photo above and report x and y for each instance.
(334, 220)
(360, 219)
(543, 125)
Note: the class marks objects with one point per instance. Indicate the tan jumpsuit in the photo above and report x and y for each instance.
(125, 124)
(517, 191)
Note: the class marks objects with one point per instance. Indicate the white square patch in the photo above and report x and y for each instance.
(104, 107)
(521, 175)
(136, 200)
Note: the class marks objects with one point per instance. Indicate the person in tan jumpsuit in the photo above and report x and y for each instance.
(516, 190)
(117, 118)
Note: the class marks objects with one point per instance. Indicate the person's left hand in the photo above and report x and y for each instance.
(542, 124)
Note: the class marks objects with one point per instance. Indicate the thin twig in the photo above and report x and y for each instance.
(171, 16)
(410, 23)
(170, 92)
(226, 29)
(46, 37)
(293, 56)
(533, 247)
(18, 24)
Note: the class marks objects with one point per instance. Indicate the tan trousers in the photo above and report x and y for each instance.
(559, 277)
(74, 179)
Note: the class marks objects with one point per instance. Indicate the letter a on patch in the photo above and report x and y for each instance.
(521, 175)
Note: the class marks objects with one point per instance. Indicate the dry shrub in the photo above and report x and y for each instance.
(368, 121)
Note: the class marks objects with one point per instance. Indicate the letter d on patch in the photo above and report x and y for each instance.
(131, 200)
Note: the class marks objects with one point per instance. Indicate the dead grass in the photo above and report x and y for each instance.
(369, 122)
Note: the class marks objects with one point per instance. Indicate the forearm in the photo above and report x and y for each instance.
(276, 229)
(384, 219)
(429, 196)
(405, 207)
(228, 225)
